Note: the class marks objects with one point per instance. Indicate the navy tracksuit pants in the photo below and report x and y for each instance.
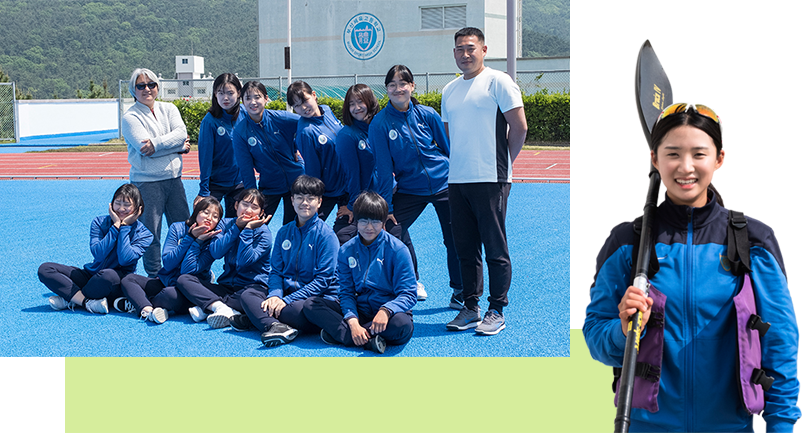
(328, 315)
(151, 292)
(66, 281)
(251, 300)
(205, 293)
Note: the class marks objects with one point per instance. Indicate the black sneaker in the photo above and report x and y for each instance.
(376, 344)
(327, 338)
(240, 322)
(279, 333)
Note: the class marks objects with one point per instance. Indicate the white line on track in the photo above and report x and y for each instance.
(104, 154)
(550, 166)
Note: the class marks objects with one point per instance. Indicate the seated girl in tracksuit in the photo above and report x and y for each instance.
(244, 243)
(117, 241)
(186, 251)
(377, 285)
(302, 268)
(316, 137)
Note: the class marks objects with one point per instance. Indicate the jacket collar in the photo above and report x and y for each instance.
(677, 215)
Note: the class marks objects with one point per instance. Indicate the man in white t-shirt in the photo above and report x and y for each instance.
(476, 109)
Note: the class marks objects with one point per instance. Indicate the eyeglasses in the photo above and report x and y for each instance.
(683, 107)
(152, 85)
(391, 86)
(364, 222)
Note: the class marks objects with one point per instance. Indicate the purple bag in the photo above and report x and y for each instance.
(650, 357)
(752, 380)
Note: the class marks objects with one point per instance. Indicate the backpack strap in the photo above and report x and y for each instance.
(654, 265)
(738, 244)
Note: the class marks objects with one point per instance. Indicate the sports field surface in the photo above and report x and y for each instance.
(48, 220)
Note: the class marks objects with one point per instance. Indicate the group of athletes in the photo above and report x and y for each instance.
(355, 283)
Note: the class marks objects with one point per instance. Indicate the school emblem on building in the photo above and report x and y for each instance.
(363, 36)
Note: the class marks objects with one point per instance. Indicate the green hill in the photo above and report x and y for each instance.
(546, 28)
(52, 49)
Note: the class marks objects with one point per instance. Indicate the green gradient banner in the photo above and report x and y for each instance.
(340, 394)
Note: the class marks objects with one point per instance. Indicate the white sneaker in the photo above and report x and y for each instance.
(58, 303)
(158, 315)
(422, 295)
(98, 306)
(197, 313)
(221, 318)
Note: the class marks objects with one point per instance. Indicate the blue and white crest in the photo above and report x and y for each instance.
(251, 141)
(362, 145)
(221, 131)
(363, 36)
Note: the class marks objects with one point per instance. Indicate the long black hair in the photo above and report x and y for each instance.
(227, 78)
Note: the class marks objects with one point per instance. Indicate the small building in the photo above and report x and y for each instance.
(187, 69)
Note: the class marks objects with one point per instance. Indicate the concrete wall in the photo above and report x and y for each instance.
(318, 27)
(65, 116)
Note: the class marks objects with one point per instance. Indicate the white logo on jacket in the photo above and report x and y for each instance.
(351, 262)
(286, 245)
(221, 130)
(362, 145)
(380, 260)
(393, 134)
(322, 139)
(251, 141)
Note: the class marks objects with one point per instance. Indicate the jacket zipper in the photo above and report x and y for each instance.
(690, 325)
(417, 148)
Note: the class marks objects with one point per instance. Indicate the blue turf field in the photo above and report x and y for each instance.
(49, 221)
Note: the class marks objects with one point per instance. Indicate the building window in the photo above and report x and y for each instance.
(171, 91)
(201, 91)
(443, 17)
(184, 61)
(186, 83)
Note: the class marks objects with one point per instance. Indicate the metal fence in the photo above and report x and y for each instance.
(335, 86)
(8, 123)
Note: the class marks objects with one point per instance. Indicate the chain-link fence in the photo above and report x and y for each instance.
(8, 130)
(335, 86)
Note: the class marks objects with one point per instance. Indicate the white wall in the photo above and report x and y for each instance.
(65, 116)
(318, 27)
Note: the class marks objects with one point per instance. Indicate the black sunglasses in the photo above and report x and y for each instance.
(152, 85)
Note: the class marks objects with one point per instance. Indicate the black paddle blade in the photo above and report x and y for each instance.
(652, 88)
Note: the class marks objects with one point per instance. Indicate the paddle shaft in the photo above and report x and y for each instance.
(635, 327)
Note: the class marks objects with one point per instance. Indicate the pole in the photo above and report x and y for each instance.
(289, 51)
(512, 39)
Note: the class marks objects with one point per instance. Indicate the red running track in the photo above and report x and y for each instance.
(530, 166)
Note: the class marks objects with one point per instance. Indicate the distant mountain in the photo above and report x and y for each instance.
(546, 28)
(53, 48)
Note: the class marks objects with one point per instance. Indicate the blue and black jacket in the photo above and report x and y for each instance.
(114, 248)
(269, 147)
(412, 145)
(184, 254)
(358, 161)
(246, 252)
(698, 383)
(303, 262)
(316, 139)
(218, 166)
(375, 276)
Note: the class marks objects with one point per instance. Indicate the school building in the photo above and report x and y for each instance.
(368, 37)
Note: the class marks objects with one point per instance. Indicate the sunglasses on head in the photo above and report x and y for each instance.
(152, 85)
(683, 107)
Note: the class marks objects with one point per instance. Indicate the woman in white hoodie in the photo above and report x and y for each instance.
(156, 138)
